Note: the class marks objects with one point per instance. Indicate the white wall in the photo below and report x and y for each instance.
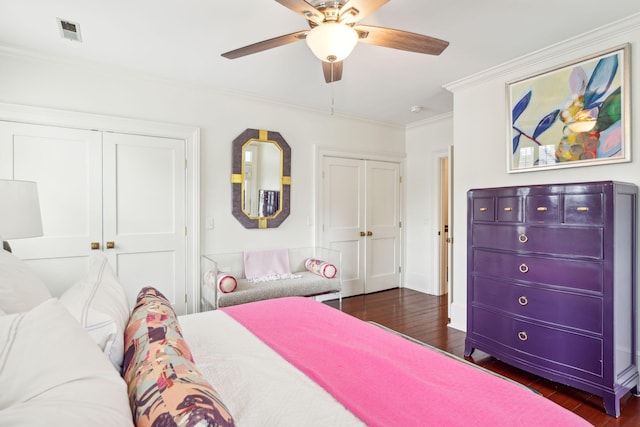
(43, 82)
(426, 143)
(480, 131)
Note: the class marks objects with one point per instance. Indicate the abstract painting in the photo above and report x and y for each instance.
(574, 115)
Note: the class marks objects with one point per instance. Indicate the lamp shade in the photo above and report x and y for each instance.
(331, 41)
(19, 210)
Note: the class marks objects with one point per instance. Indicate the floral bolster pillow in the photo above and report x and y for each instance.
(321, 268)
(165, 387)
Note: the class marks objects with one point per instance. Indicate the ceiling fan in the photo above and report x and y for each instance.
(334, 32)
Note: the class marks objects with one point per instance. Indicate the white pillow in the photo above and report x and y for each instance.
(20, 288)
(100, 305)
(53, 374)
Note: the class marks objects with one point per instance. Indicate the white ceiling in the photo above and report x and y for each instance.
(183, 40)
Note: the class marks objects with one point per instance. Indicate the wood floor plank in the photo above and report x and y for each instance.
(424, 317)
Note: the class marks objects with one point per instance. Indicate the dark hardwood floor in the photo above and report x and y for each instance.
(424, 317)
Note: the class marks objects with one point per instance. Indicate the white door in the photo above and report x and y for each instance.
(144, 213)
(66, 164)
(383, 226)
(344, 218)
(360, 214)
(97, 188)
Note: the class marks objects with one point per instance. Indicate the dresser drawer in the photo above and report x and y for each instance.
(562, 308)
(543, 209)
(583, 209)
(483, 209)
(509, 209)
(545, 346)
(587, 275)
(582, 242)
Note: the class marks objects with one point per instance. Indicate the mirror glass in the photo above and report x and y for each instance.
(260, 178)
(262, 170)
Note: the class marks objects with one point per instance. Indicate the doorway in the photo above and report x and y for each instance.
(444, 225)
(445, 231)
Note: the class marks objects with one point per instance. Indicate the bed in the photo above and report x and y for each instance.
(281, 362)
(305, 363)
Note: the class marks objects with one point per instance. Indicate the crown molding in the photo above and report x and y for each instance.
(562, 50)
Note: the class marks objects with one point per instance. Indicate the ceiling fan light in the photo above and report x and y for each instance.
(331, 41)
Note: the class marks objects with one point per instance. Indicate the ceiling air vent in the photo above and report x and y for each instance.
(69, 30)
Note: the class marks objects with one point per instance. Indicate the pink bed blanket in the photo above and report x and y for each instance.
(387, 380)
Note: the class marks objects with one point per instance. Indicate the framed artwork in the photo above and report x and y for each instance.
(573, 115)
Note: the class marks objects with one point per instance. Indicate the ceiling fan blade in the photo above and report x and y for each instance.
(403, 40)
(266, 44)
(332, 71)
(355, 10)
(304, 9)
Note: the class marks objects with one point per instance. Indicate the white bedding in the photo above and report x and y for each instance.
(258, 386)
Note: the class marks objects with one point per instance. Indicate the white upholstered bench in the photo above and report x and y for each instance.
(306, 283)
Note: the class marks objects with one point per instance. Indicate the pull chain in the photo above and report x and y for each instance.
(332, 97)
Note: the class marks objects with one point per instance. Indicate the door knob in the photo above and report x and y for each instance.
(362, 234)
(95, 246)
(369, 233)
(111, 245)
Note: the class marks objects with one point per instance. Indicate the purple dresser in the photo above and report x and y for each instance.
(551, 284)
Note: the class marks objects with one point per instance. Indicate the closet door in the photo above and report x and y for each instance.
(344, 218)
(125, 194)
(383, 226)
(66, 164)
(144, 213)
(361, 209)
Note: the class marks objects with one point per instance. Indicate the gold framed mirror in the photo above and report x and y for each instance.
(260, 178)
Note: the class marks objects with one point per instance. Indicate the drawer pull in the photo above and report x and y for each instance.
(507, 209)
(483, 209)
(522, 238)
(522, 336)
(582, 209)
(524, 268)
(542, 209)
(523, 301)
